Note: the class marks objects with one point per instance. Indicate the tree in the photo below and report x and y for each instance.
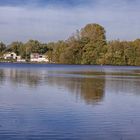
(136, 45)
(71, 55)
(32, 46)
(16, 47)
(43, 48)
(2, 47)
(59, 49)
(73, 52)
(94, 34)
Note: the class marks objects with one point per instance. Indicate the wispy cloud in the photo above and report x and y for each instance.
(54, 20)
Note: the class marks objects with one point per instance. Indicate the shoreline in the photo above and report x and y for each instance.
(41, 63)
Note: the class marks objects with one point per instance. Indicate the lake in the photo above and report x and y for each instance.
(69, 102)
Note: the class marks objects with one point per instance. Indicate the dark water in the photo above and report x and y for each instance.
(44, 102)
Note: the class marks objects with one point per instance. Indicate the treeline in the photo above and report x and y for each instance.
(24, 49)
(87, 46)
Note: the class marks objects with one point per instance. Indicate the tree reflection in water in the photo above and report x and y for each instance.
(27, 77)
(2, 77)
(88, 88)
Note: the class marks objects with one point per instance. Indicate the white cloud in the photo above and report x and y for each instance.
(52, 23)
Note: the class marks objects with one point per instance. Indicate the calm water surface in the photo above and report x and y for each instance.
(44, 102)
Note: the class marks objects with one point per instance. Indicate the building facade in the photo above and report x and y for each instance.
(35, 57)
(10, 55)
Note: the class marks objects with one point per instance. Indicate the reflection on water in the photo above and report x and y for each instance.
(87, 85)
(123, 85)
(89, 89)
(42, 102)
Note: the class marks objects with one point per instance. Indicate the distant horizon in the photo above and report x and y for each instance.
(53, 20)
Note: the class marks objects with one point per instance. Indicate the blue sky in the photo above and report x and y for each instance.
(52, 20)
(44, 2)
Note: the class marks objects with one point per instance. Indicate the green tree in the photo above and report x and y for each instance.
(136, 45)
(2, 47)
(50, 52)
(94, 34)
(59, 49)
(33, 46)
(15, 47)
(73, 52)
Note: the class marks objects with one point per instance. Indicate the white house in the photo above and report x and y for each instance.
(35, 57)
(10, 55)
